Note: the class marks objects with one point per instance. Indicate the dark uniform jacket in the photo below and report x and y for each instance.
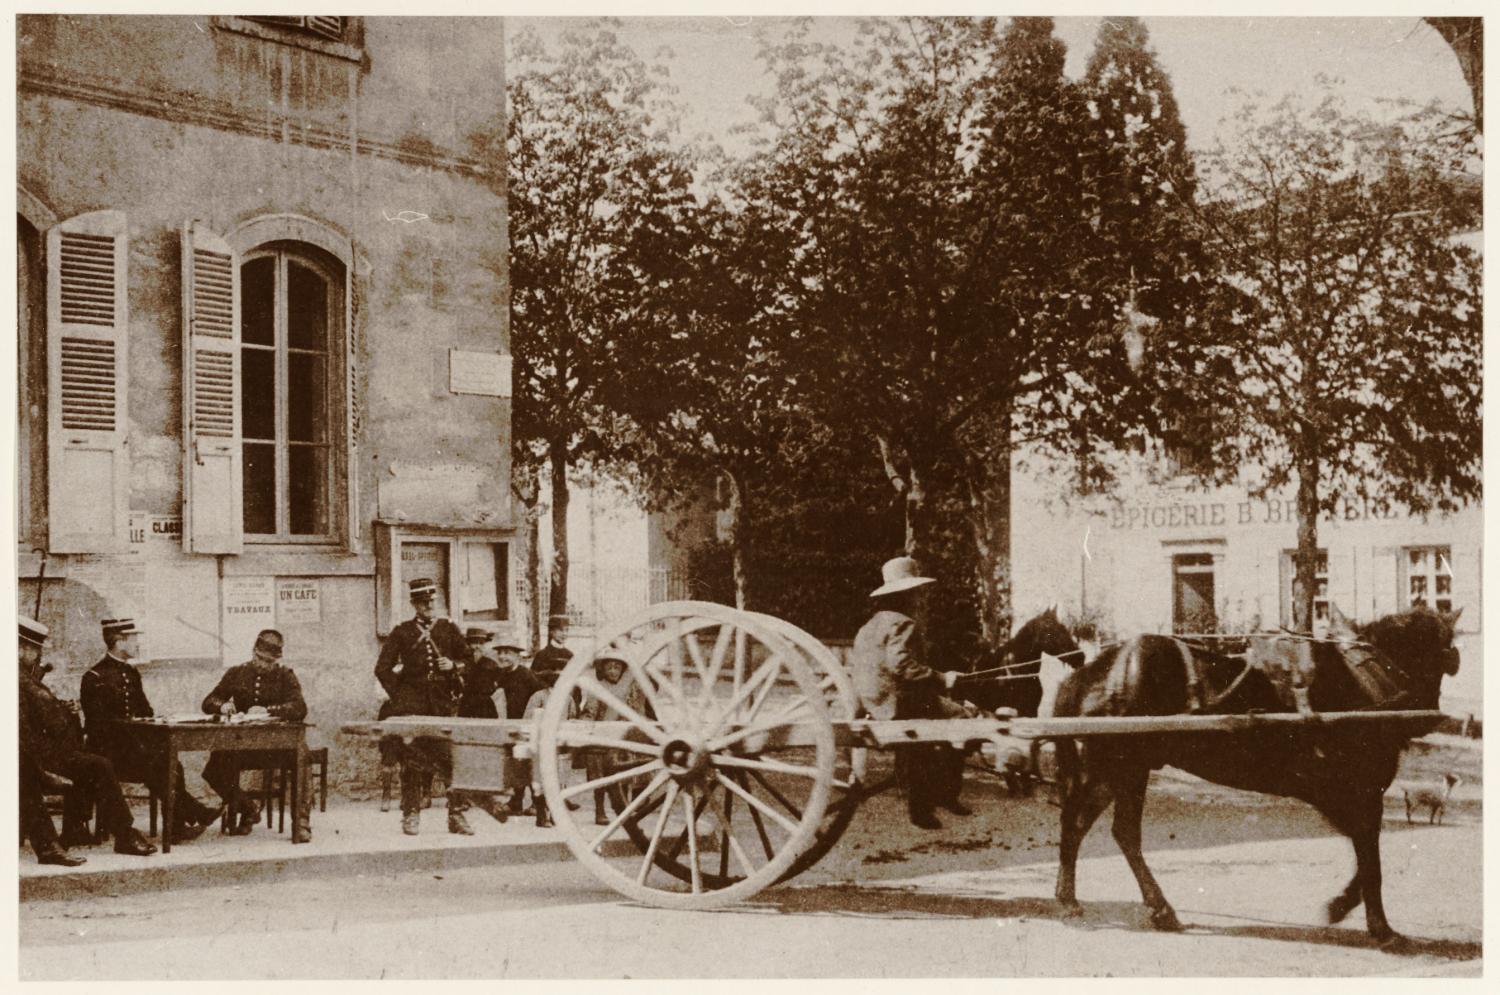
(50, 730)
(112, 690)
(274, 689)
(890, 672)
(484, 678)
(408, 668)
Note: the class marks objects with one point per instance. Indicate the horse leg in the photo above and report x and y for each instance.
(1367, 857)
(1347, 900)
(1084, 800)
(1130, 802)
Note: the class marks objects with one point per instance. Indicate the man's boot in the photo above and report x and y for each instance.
(412, 784)
(76, 835)
(457, 824)
(132, 843)
(543, 817)
(388, 773)
(54, 854)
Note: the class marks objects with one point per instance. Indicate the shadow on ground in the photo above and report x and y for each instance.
(898, 903)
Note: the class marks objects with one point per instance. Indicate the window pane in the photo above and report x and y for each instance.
(1419, 586)
(307, 477)
(306, 308)
(257, 301)
(260, 488)
(306, 398)
(486, 582)
(1419, 559)
(258, 393)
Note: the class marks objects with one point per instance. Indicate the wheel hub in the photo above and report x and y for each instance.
(684, 760)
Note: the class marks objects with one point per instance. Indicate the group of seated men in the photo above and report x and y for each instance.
(87, 761)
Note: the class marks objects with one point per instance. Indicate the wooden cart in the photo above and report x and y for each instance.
(741, 762)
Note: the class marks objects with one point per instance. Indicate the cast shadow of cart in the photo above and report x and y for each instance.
(902, 903)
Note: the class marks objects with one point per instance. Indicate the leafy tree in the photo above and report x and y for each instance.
(593, 184)
(1341, 347)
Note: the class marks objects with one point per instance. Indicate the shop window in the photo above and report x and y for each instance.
(1193, 593)
(1428, 580)
(471, 568)
(291, 404)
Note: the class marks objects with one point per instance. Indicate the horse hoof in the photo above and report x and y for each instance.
(1393, 943)
(1166, 921)
(1340, 907)
(1071, 909)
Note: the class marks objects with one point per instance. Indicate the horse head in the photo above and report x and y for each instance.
(1045, 633)
(1417, 644)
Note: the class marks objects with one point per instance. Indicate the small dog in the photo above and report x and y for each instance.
(1432, 796)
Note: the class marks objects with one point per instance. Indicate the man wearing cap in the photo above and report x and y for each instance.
(51, 742)
(111, 692)
(894, 681)
(553, 657)
(260, 687)
(419, 668)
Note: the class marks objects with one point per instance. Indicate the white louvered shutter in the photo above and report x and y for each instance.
(1385, 581)
(328, 27)
(1468, 586)
(212, 517)
(88, 470)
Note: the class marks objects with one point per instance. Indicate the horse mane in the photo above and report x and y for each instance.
(1416, 634)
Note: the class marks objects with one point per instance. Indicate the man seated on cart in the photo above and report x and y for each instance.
(894, 681)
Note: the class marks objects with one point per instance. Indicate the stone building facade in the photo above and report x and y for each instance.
(1165, 555)
(263, 340)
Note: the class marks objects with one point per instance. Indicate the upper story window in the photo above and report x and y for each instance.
(325, 27)
(291, 359)
(1429, 577)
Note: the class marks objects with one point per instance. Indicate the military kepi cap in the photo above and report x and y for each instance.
(120, 627)
(269, 642)
(32, 631)
(422, 587)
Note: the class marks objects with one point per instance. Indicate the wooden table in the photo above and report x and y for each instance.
(172, 738)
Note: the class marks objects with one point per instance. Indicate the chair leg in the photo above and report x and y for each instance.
(152, 796)
(281, 798)
(323, 785)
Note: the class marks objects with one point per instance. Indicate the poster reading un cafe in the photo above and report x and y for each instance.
(249, 605)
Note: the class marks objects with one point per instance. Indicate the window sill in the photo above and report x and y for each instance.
(292, 37)
(298, 561)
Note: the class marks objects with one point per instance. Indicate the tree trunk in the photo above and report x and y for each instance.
(1305, 577)
(558, 470)
(989, 514)
(739, 529)
(533, 578)
(1465, 35)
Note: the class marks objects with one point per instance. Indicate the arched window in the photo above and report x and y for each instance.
(291, 393)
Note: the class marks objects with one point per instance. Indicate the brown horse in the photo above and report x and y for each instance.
(1342, 770)
(1018, 662)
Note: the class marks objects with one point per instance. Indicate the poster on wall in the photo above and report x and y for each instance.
(249, 605)
(298, 602)
(423, 559)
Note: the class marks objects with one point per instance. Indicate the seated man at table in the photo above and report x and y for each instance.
(111, 692)
(260, 688)
(51, 743)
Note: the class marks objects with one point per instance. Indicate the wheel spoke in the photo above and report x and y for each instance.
(730, 738)
(661, 823)
(692, 835)
(770, 668)
(765, 809)
(731, 844)
(656, 782)
(635, 718)
(695, 651)
(629, 745)
(645, 682)
(771, 790)
(624, 775)
(716, 662)
(775, 766)
(726, 837)
(760, 829)
(767, 688)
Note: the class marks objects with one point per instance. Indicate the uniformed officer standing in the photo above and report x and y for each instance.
(265, 685)
(112, 691)
(419, 669)
(51, 742)
(894, 681)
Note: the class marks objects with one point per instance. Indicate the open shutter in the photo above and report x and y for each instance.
(1467, 586)
(1385, 581)
(88, 470)
(212, 516)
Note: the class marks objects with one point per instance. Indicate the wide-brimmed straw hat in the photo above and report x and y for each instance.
(900, 574)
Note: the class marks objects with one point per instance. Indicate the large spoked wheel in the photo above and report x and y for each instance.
(710, 765)
(849, 786)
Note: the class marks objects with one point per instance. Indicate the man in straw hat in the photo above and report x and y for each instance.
(111, 692)
(51, 743)
(261, 686)
(420, 669)
(894, 681)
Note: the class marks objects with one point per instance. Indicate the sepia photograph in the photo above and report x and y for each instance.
(748, 496)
